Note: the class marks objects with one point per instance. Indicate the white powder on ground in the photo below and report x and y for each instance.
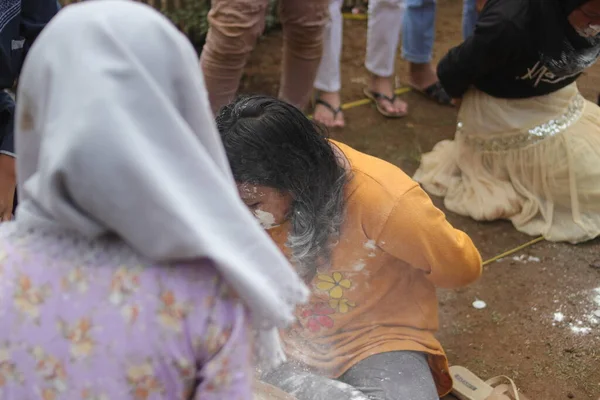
(591, 316)
(559, 317)
(479, 304)
(525, 259)
(580, 329)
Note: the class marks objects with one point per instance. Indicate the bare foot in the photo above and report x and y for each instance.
(385, 86)
(422, 75)
(328, 116)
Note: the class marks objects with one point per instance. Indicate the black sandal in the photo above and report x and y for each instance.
(376, 97)
(335, 111)
(436, 93)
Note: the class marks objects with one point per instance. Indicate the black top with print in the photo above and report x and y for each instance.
(508, 56)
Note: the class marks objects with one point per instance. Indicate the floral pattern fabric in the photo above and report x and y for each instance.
(90, 320)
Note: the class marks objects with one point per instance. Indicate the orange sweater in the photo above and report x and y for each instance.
(379, 294)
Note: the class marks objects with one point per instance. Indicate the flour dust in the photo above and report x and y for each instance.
(582, 324)
(266, 219)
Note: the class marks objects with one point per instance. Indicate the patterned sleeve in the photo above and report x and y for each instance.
(227, 372)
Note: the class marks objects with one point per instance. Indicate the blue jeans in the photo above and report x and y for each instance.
(469, 18)
(418, 30)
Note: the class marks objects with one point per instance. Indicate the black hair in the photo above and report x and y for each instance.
(272, 143)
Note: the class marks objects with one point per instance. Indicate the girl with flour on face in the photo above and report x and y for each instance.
(369, 242)
(124, 276)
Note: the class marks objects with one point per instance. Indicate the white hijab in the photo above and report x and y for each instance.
(115, 135)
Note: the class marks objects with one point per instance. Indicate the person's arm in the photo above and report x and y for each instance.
(11, 47)
(228, 371)
(35, 15)
(490, 48)
(8, 178)
(418, 233)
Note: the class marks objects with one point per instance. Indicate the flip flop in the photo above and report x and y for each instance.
(434, 92)
(334, 110)
(376, 97)
(468, 386)
(264, 391)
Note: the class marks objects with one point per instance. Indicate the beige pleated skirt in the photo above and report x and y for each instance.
(535, 162)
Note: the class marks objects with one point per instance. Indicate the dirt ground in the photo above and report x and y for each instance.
(541, 325)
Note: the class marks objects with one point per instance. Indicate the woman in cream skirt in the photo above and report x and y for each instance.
(527, 146)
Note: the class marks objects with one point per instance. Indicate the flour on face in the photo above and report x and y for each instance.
(266, 219)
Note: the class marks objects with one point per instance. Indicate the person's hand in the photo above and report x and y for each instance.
(8, 184)
(457, 102)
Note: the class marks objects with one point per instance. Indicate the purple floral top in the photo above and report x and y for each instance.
(91, 320)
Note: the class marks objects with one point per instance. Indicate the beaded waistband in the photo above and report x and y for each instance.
(533, 135)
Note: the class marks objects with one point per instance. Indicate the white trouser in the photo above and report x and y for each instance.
(385, 24)
(328, 76)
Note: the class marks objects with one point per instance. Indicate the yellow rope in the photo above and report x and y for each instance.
(513, 251)
(355, 17)
(365, 101)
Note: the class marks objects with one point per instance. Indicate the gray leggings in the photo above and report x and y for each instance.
(397, 375)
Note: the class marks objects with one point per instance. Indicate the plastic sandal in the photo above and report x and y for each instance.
(335, 111)
(435, 92)
(376, 97)
(468, 386)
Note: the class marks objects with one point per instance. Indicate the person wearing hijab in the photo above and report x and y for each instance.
(527, 145)
(124, 276)
(21, 21)
(369, 242)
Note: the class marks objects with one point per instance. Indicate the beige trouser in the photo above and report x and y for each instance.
(234, 27)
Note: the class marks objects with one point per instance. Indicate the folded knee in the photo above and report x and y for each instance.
(234, 26)
(305, 15)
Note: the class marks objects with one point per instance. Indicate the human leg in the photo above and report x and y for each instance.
(234, 27)
(418, 31)
(469, 17)
(396, 375)
(328, 81)
(304, 385)
(384, 25)
(418, 35)
(303, 23)
(383, 35)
